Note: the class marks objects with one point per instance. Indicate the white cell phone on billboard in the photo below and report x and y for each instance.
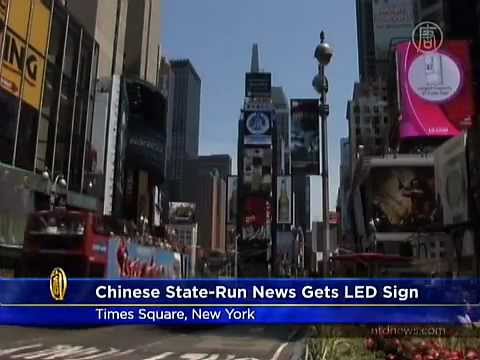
(433, 69)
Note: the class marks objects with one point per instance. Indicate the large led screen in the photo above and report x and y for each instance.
(402, 199)
(436, 92)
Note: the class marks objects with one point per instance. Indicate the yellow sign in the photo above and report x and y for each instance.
(58, 284)
(18, 59)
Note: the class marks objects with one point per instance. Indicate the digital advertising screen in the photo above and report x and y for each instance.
(305, 137)
(402, 199)
(257, 171)
(436, 92)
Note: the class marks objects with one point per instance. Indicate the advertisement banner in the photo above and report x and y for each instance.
(402, 199)
(18, 59)
(131, 260)
(305, 137)
(258, 128)
(181, 213)
(256, 219)
(436, 90)
(232, 204)
(392, 20)
(284, 200)
(452, 180)
(257, 171)
(258, 85)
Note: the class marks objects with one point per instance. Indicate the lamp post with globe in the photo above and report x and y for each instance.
(323, 54)
(53, 184)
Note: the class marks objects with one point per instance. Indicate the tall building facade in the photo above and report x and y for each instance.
(204, 184)
(106, 21)
(186, 116)
(282, 119)
(142, 40)
(368, 116)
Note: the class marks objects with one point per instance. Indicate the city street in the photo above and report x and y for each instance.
(152, 343)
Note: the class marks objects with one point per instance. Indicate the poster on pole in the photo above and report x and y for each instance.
(305, 137)
(284, 200)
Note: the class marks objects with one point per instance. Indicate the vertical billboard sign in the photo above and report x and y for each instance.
(391, 20)
(257, 171)
(19, 60)
(452, 180)
(232, 207)
(305, 139)
(256, 219)
(436, 90)
(284, 200)
(258, 128)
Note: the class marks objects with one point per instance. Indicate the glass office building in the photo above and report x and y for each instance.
(48, 66)
(47, 74)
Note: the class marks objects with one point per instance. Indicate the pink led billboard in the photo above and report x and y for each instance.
(436, 91)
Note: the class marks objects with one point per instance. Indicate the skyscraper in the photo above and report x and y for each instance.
(142, 40)
(282, 117)
(106, 21)
(204, 184)
(186, 116)
(366, 40)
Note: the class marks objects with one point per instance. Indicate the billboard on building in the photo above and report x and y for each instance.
(258, 128)
(284, 200)
(401, 199)
(452, 180)
(258, 85)
(232, 204)
(436, 90)
(392, 20)
(131, 260)
(305, 138)
(256, 219)
(19, 60)
(257, 171)
(181, 213)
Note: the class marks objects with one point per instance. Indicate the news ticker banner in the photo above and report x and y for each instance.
(59, 301)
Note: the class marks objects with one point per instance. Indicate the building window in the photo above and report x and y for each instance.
(47, 122)
(66, 118)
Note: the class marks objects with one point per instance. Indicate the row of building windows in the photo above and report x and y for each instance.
(376, 120)
(367, 109)
(57, 134)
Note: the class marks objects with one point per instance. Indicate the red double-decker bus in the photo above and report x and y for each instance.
(73, 240)
(85, 244)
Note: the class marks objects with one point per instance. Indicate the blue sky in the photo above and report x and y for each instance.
(217, 36)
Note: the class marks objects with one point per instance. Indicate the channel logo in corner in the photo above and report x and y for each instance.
(427, 37)
(58, 284)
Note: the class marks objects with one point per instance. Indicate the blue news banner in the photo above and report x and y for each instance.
(82, 302)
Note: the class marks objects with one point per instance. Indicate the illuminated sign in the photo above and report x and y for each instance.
(18, 59)
(436, 90)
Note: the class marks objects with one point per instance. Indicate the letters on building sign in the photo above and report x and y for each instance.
(20, 61)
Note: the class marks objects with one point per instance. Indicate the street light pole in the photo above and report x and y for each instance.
(323, 54)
